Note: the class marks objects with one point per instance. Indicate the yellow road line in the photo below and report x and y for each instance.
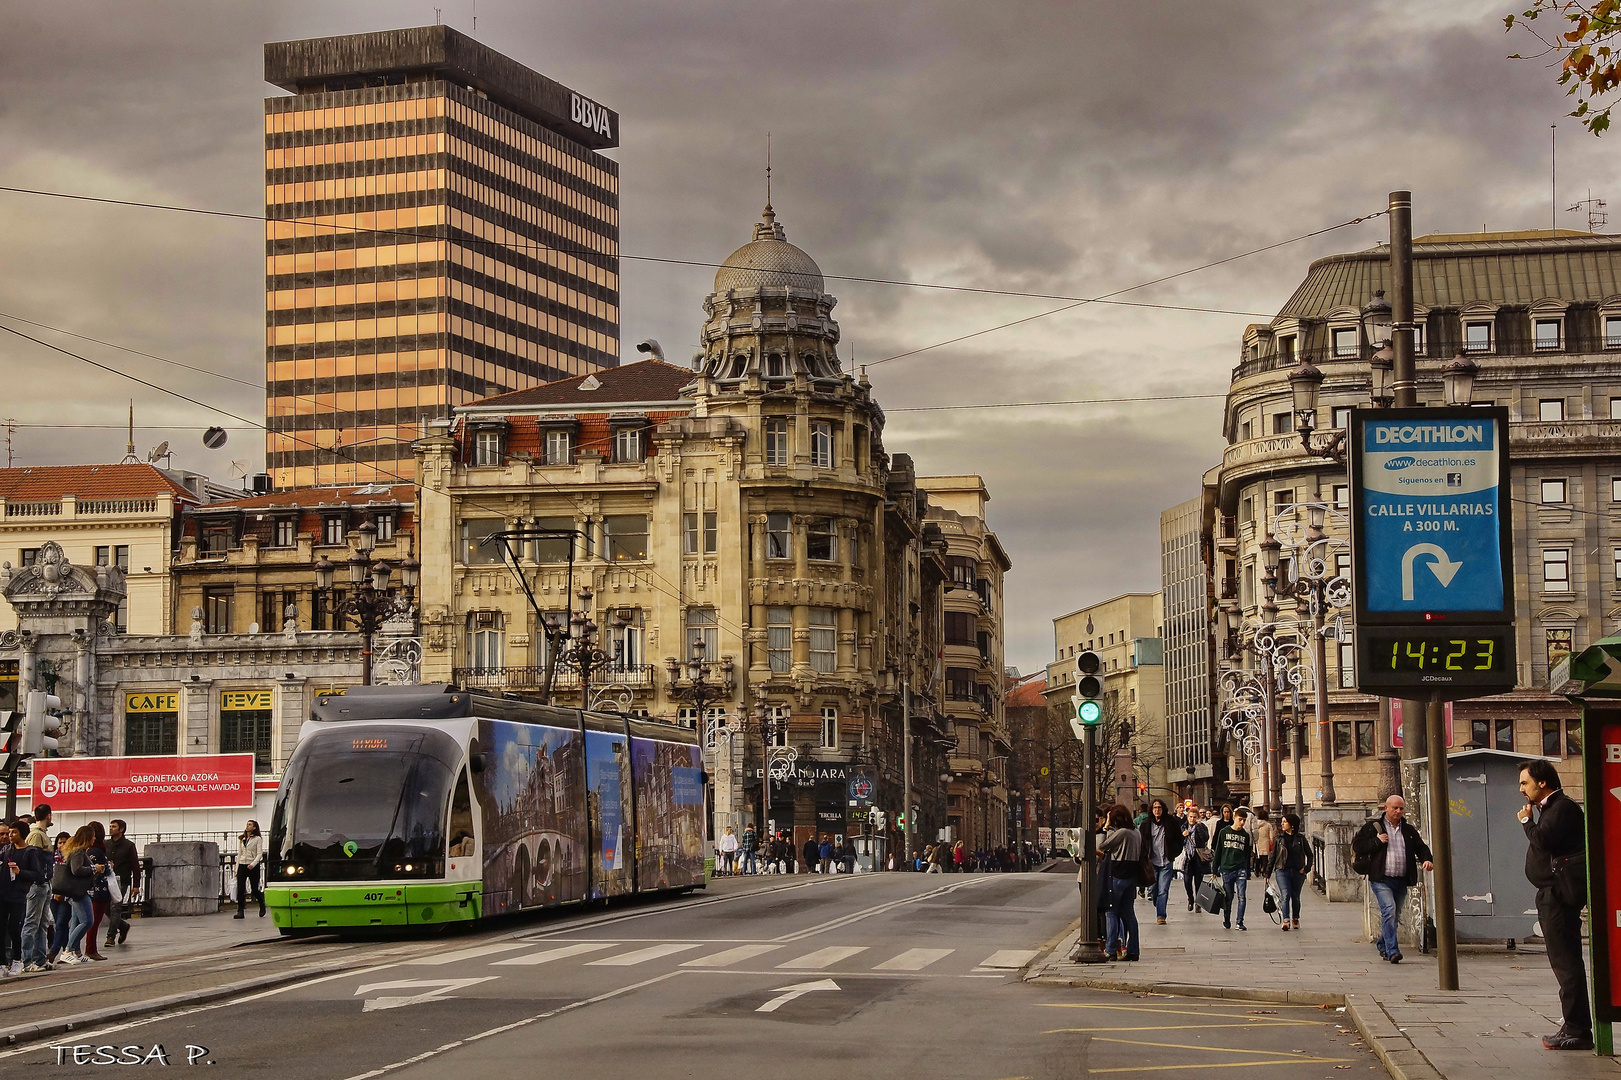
(1210, 1049)
(1178, 1012)
(1169, 1027)
(1222, 1065)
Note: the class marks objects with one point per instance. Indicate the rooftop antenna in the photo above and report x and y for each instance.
(1596, 216)
(11, 429)
(129, 447)
(768, 172)
(475, 14)
(438, 16)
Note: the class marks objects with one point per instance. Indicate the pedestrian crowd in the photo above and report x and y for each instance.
(58, 891)
(777, 854)
(1215, 853)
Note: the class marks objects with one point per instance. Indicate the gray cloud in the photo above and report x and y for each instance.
(1057, 147)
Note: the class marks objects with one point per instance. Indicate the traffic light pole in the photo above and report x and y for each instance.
(1087, 950)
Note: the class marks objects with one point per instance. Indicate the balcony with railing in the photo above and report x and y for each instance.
(69, 506)
(564, 677)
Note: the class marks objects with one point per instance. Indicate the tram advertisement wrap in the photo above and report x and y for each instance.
(669, 813)
(79, 785)
(607, 781)
(532, 815)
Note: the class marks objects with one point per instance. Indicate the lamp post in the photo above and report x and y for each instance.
(707, 681)
(1314, 582)
(368, 602)
(582, 648)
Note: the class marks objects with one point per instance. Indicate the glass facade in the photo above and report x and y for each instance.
(427, 247)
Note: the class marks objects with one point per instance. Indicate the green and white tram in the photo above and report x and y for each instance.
(426, 805)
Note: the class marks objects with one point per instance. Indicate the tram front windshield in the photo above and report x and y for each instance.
(364, 804)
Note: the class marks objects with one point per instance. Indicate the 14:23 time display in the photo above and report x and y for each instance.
(1438, 654)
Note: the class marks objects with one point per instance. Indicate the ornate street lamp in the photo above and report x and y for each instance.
(368, 602)
(582, 649)
(1458, 380)
(1377, 324)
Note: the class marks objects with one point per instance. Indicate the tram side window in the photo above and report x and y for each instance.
(461, 820)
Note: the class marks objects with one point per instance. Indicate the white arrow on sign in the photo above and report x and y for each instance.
(445, 986)
(1616, 791)
(1443, 566)
(788, 993)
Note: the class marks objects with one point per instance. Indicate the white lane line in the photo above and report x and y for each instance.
(546, 956)
(731, 956)
(641, 956)
(465, 954)
(1008, 958)
(822, 958)
(914, 960)
(866, 913)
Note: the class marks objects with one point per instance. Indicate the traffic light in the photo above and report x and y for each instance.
(877, 819)
(10, 740)
(1088, 696)
(40, 724)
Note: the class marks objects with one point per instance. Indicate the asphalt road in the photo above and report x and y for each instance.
(837, 978)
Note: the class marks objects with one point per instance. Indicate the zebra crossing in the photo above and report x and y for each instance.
(720, 956)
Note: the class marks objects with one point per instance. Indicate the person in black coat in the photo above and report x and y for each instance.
(1389, 852)
(1556, 830)
(1195, 838)
(21, 868)
(811, 853)
(1162, 843)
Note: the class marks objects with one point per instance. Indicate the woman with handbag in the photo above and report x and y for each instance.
(1195, 854)
(1123, 844)
(71, 883)
(1291, 862)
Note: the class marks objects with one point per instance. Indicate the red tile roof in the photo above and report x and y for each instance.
(1026, 694)
(645, 380)
(353, 495)
(39, 482)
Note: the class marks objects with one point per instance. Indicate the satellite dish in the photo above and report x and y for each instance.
(214, 438)
(159, 451)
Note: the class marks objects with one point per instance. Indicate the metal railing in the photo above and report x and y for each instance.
(1318, 851)
(566, 677)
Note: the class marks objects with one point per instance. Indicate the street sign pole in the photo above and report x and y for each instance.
(1440, 812)
(1087, 950)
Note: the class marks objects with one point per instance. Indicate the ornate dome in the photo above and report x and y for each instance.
(769, 261)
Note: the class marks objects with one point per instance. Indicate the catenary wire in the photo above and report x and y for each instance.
(584, 252)
(1130, 288)
(673, 591)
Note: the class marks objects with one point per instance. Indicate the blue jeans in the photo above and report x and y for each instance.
(73, 918)
(1122, 923)
(1234, 883)
(749, 865)
(1290, 883)
(1390, 894)
(35, 944)
(1162, 887)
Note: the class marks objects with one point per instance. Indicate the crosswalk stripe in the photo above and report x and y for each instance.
(822, 958)
(1008, 958)
(731, 956)
(914, 959)
(465, 954)
(546, 956)
(642, 956)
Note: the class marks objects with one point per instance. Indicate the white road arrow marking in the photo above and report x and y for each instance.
(788, 993)
(1443, 566)
(445, 986)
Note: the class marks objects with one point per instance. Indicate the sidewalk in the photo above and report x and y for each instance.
(1489, 1030)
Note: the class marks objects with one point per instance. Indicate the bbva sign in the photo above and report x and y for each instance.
(588, 113)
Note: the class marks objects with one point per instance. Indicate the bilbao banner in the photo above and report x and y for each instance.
(109, 784)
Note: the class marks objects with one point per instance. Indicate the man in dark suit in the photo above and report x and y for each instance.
(1389, 851)
(1557, 830)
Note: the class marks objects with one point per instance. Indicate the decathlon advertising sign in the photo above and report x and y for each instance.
(1431, 551)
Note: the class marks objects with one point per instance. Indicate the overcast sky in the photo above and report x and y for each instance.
(1062, 147)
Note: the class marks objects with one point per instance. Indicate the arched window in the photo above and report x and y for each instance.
(774, 367)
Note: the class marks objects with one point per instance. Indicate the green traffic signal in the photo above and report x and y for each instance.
(1090, 712)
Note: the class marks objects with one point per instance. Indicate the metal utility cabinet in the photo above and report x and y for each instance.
(1494, 901)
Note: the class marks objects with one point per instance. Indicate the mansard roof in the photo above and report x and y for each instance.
(642, 382)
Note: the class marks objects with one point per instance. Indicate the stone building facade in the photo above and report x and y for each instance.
(1541, 314)
(1125, 631)
(746, 503)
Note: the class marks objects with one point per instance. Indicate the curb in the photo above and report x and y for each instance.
(64, 1024)
(1395, 1051)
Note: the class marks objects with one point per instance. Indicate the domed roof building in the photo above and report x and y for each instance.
(769, 261)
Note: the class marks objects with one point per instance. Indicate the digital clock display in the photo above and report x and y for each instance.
(1463, 653)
